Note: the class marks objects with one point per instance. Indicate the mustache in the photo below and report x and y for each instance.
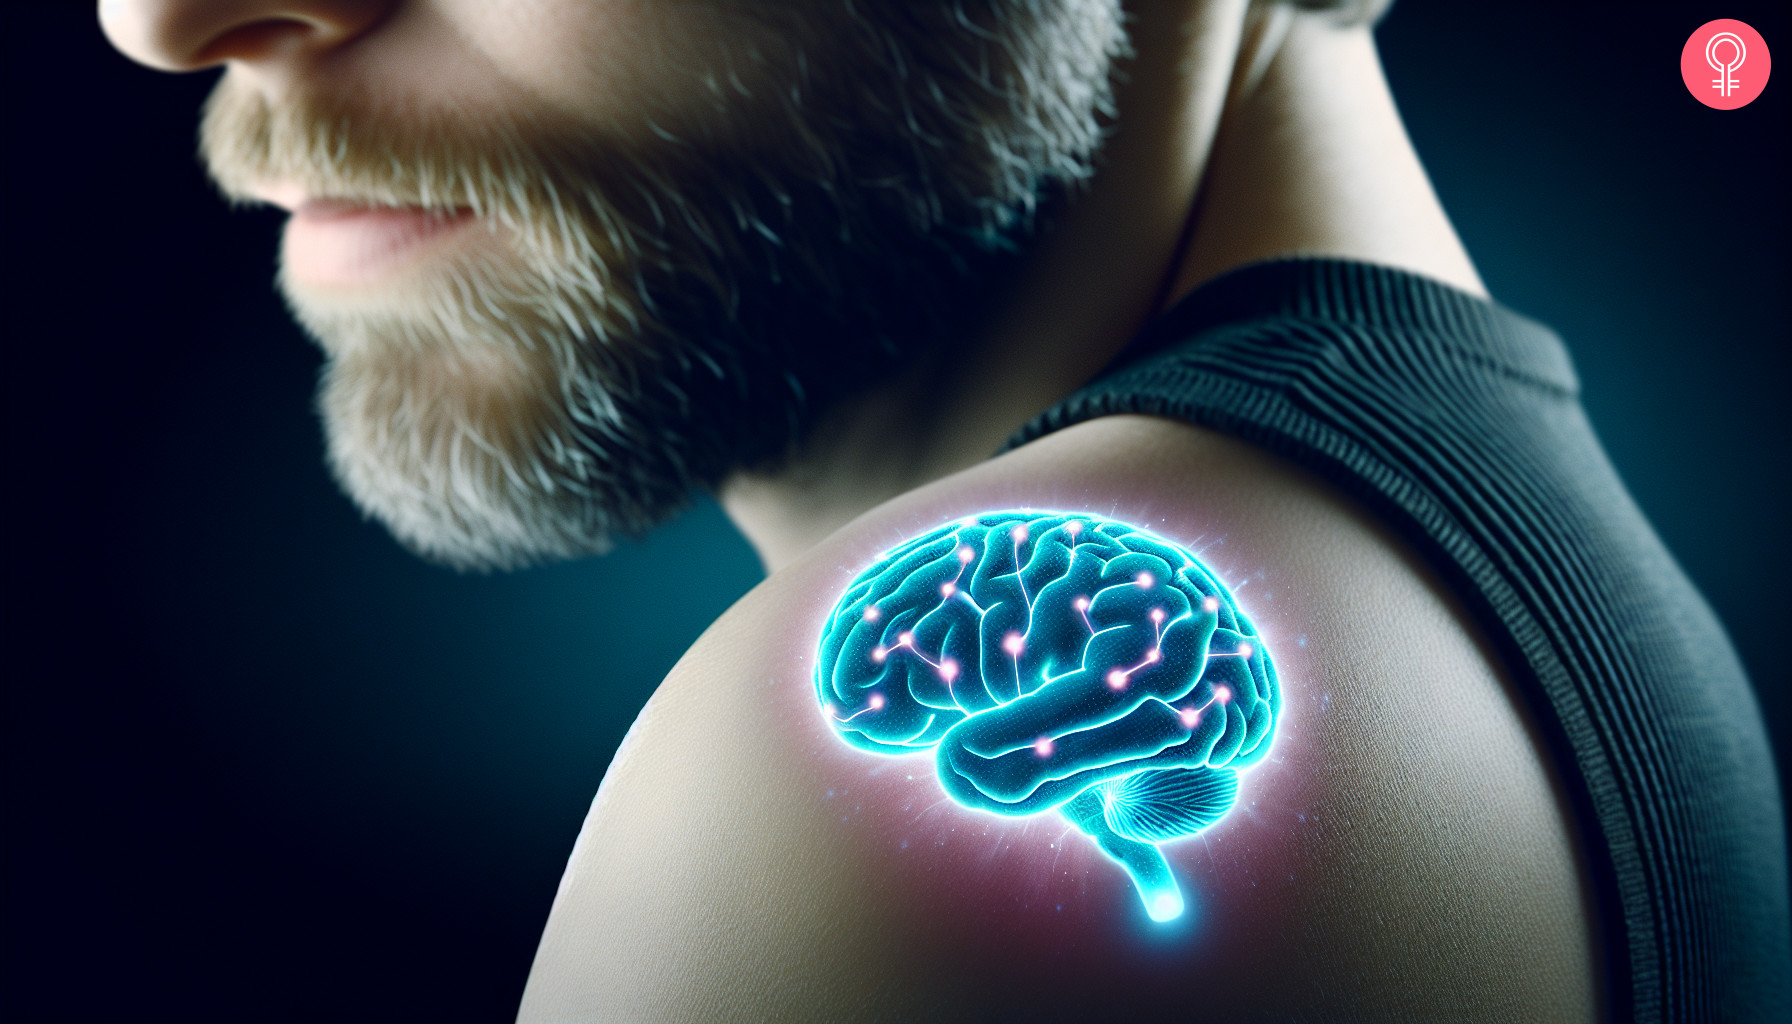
(531, 172)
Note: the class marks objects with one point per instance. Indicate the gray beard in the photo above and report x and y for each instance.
(706, 305)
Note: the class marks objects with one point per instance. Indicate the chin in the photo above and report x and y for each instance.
(448, 401)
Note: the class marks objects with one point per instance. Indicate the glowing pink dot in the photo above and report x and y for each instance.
(1043, 746)
(876, 701)
(1221, 694)
(1157, 615)
(1117, 679)
(1211, 604)
(905, 639)
(1081, 603)
(948, 669)
(830, 710)
(1244, 650)
(879, 653)
(1190, 718)
(965, 554)
(871, 613)
(1146, 579)
(948, 589)
(1013, 643)
(1019, 533)
(1074, 527)
(1153, 654)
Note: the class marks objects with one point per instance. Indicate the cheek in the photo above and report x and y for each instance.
(599, 60)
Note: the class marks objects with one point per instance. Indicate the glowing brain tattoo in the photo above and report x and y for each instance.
(1057, 661)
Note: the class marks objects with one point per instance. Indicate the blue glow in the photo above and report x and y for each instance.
(1058, 661)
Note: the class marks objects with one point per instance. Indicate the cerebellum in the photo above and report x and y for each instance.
(1057, 661)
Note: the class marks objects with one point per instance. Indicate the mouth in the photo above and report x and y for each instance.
(341, 242)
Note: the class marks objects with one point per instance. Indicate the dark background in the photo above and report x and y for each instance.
(262, 765)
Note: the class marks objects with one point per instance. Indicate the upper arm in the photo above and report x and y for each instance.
(1402, 852)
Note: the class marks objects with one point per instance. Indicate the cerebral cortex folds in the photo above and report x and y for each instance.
(1057, 661)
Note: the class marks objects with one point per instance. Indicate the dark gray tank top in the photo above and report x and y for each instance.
(1457, 423)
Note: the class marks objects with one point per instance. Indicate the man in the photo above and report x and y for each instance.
(571, 261)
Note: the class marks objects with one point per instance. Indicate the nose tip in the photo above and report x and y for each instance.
(186, 35)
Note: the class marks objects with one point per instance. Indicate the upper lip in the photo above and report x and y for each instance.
(325, 209)
(295, 200)
(288, 197)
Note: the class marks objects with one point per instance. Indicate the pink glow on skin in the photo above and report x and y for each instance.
(876, 702)
(1211, 604)
(1117, 679)
(965, 554)
(1014, 643)
(1043, 746)
(1145, 580)
(948, 669)
(1073, 527)
(1245, 650)
(1019, 533)
(1157, 615)
(948, 589)
(1222, 694)
(871, 613)
(1191, 717)
(879, 653)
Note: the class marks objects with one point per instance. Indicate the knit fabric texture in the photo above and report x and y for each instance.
(1457, 422)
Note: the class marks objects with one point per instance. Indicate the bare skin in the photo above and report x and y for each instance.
(1404, 854)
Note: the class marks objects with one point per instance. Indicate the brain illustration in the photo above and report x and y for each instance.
(1060, 662)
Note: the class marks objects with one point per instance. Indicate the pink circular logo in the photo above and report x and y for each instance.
(1725, 64)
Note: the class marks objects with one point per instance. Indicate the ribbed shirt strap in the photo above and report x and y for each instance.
(1457, 422)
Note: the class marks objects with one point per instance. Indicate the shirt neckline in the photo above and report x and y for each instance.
(1367, 294)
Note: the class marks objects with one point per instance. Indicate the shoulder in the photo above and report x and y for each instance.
(1401, 853)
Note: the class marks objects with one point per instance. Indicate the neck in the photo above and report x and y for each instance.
(1241, 136)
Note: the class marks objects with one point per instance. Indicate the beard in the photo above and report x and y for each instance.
(674, 299)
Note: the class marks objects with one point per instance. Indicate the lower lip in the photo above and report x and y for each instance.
(335, 243)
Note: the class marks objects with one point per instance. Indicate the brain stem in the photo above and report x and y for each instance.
(1149, 871)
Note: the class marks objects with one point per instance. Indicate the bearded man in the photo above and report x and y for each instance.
(862, 269)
